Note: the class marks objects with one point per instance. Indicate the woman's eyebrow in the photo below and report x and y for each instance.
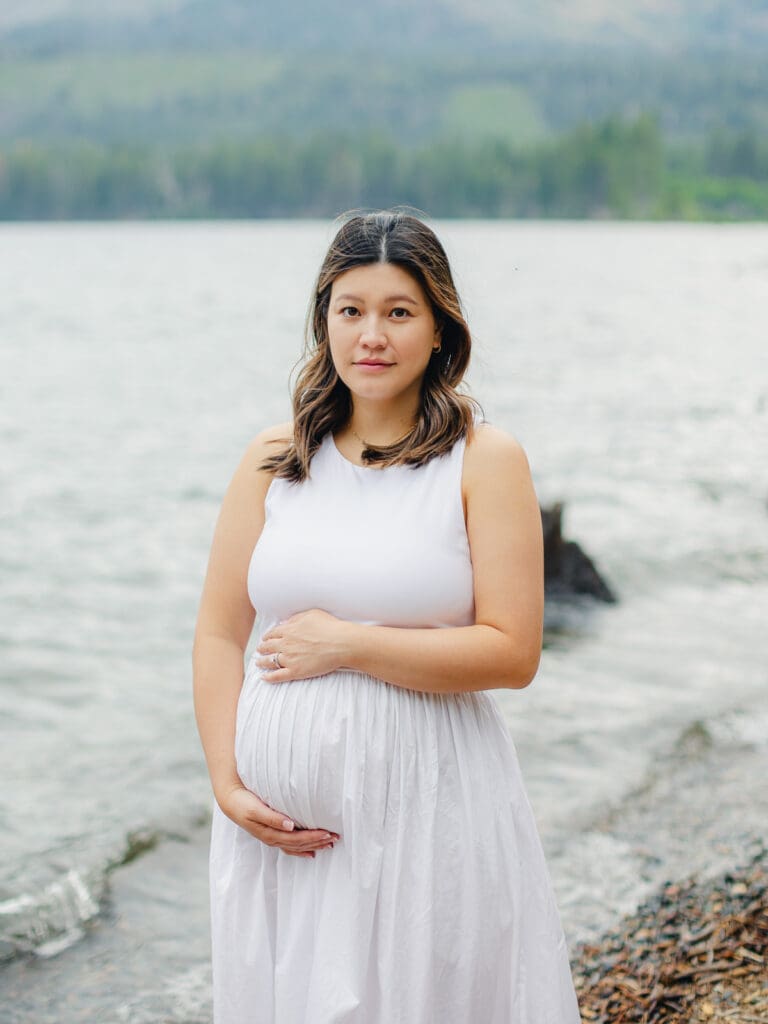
(389, 298)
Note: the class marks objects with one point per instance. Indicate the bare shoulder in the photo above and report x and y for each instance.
(270, 441)
(493, 453)
(250, 480)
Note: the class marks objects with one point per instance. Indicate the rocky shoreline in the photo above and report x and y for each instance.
(696, 952)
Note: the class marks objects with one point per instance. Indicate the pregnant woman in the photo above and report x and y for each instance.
(374, 857)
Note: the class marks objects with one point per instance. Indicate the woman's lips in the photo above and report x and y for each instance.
(370, 367)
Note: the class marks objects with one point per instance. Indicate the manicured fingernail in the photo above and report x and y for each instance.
(287, 823)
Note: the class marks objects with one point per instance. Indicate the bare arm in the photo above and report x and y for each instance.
(224, 623)
(225, 618)
(502, 648)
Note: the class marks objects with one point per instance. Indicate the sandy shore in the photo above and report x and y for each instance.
(695, 952)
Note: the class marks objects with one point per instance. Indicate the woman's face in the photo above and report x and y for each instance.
(381, 332)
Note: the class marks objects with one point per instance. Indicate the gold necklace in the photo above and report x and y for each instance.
(367, 444)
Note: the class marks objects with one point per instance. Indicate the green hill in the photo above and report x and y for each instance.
(236, 108)
(176, 97)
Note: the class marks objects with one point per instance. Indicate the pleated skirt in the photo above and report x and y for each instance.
(435, 907)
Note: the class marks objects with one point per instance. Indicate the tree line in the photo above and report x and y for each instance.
(614, 168)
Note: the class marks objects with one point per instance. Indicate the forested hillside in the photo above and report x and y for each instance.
(163, 97)
(203, 108)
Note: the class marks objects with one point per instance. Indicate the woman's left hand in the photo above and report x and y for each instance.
(311, 643)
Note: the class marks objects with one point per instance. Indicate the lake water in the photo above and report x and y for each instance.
(136, 362)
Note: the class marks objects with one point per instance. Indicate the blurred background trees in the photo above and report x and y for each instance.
(198, 108)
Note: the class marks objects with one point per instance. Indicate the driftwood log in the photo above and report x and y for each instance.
(567, 569)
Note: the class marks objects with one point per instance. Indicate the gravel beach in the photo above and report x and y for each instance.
(695, 952)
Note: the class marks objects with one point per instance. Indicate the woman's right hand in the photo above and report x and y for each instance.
(272, 827)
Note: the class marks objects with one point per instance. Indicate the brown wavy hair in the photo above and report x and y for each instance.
(321, 400)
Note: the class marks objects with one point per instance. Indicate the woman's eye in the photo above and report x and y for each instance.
(396, 313)
(349, 311)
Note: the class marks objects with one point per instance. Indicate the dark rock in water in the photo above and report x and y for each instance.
(567, 569)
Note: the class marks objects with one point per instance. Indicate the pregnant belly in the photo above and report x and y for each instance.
(317, 749)
(346, 751)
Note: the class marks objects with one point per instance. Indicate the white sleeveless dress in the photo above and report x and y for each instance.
(436, 906)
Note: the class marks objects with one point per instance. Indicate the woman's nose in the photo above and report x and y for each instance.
(372, 332)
